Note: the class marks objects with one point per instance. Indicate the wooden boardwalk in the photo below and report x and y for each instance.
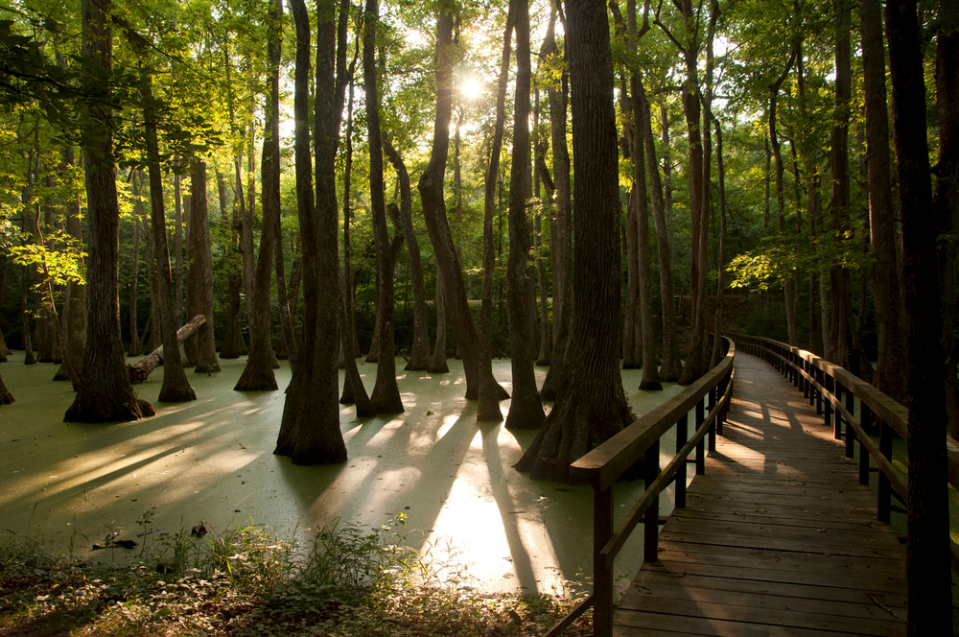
(777, 538)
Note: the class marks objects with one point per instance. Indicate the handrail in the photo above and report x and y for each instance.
(827, 385)
(833, 389)
(710, 397)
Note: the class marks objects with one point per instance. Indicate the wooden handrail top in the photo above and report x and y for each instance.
(604, 464)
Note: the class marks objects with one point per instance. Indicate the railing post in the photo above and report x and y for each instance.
(820, 377)
(651, 518)
(850, 432)
(700, 455)
(864, 419)
(682, 435)
(714, 397)
(830, 384)
(602, 575)
(884, 488)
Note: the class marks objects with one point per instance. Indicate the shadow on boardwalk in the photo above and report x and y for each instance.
(778, 538)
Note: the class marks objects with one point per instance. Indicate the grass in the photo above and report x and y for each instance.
(244, 581)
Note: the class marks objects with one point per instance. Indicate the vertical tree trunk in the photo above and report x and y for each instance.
(105, 395)
(258, 374)
(310, 430)
(488, 409)
(201, 270)
(176, 387)
(891, 367)
(135, 348)
(928, 574)
(562, 250)
(232, 334)
(420, 349)
(671, 365)
(178, 247)
(591, 404)
(386, 393)
(76, 310)
(947, 194)
(526, 408)
(841, 320)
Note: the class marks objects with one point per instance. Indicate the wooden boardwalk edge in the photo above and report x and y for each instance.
(778, 537)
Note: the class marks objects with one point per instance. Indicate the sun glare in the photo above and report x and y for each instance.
(471, 88)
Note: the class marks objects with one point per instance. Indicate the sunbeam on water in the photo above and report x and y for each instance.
(212, 460)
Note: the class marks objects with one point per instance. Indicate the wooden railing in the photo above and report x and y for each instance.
(834, 391)
(709, 397)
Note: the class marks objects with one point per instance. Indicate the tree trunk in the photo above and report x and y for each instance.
(310, 430)
(386, 393)
(698, 206)
(526, 408)
(671, 365)
(891, 368)
(434, 210)
(947, 194)
(176, 387)
(841, 320)
(258, 374)
(201, 270)
(352, 347)
(232, 333)
(75, 312)
(141, 370)
(562, 250)
(438, 360)
(135, 348)
(6, 397)
(105, 395)
(420, 349)
(591, 405)
(928, 574)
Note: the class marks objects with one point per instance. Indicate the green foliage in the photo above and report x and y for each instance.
(347, 581)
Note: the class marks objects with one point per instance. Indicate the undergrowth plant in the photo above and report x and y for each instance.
(346, 580)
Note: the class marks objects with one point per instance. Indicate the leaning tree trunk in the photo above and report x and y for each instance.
(526, 408)
(105, 395)
(437, 223)
(420, 349)
(927, 573)
(141, 370)
(591, 405)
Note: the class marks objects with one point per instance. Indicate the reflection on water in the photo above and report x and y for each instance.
(212, 460)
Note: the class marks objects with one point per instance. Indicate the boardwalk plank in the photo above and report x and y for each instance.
(778, 538)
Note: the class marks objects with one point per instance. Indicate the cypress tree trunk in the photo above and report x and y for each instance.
(591, 405)
(105, 394)
(526, 408)
(201, 270)
(928, 573)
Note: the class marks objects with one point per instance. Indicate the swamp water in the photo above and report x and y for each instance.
(211, 460)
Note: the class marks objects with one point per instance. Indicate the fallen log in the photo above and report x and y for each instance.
(140, 371)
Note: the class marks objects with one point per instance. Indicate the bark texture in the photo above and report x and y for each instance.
(105, 395)
(928, 574)
(591, 404)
